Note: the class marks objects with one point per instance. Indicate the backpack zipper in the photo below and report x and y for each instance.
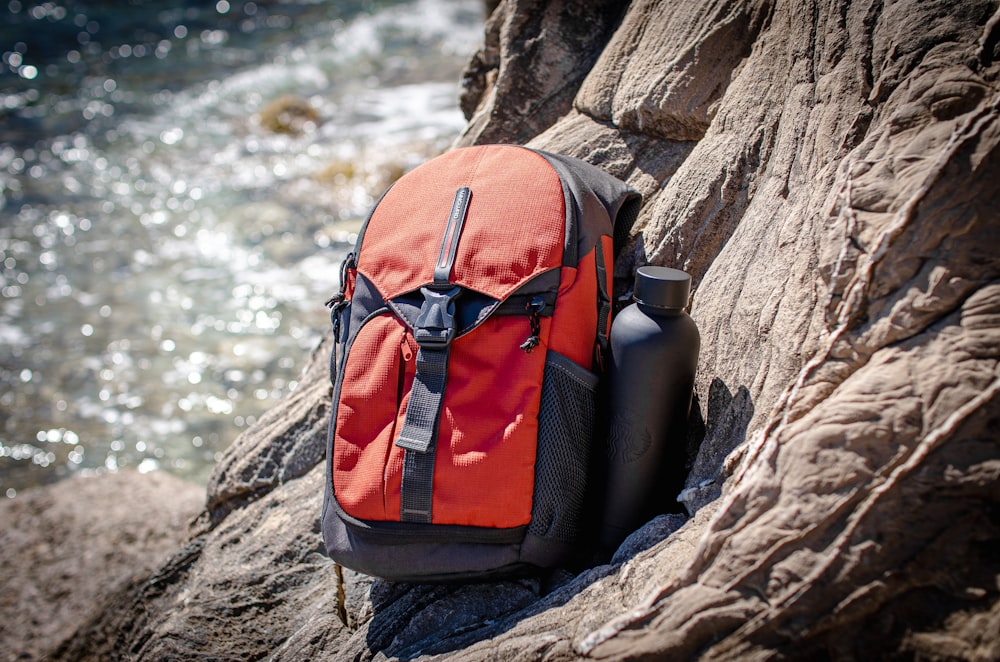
(534, 308)
(338, 301)
(404, 346)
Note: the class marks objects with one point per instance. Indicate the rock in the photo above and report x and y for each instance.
(730, 416)
(657, 529)
(288, 114)
(668, 66)
(255, 582)
(830, 176)
(535, 55)
(69, 548)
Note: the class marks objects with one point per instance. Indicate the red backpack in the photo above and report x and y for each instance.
(468, 332)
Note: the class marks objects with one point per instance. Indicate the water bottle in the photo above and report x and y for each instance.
(654, 355)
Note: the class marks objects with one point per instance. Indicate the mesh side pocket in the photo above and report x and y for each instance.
(566, 418)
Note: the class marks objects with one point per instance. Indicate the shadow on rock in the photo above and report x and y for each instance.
(410, 620)
(725, 429)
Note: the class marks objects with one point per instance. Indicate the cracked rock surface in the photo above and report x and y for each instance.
(829, 173)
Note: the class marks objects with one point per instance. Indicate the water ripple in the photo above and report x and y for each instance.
(164, 255)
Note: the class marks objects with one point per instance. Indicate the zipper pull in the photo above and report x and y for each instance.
(336, 305)
(534, 308)
(337, 299)
(404, 347)
(349, 264)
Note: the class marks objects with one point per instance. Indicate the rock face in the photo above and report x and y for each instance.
(830, 175)
(71, 548)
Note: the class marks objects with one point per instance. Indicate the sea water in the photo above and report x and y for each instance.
(164, 254)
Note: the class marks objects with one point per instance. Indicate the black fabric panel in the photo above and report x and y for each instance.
(408, 558)
(566, 421)
(603, 204)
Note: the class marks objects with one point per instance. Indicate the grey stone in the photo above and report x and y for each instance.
(535, 56)
(70, 548)
(832, 182)
(649, 534)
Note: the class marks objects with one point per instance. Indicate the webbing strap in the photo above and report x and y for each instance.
(434, 331)
(603, 302)
(424, 408)
(417, 488)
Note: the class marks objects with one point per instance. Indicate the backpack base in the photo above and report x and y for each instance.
(378, 549)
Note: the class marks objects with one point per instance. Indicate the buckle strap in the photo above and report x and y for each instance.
(434, 332)
(423, 411)
(436, 322)
(417, 487)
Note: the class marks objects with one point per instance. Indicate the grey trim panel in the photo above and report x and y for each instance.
(441, 555)
(599, 203)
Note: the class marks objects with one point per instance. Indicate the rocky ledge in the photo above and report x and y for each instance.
(830, 175)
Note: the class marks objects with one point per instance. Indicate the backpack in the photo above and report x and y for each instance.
(468, 339)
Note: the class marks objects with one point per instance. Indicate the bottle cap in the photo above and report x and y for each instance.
(662, 287)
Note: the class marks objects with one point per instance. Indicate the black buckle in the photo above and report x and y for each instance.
(436, 323)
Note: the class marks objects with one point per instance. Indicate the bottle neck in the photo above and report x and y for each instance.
(656, 311)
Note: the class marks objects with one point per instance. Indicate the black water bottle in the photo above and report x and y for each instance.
(654, 355)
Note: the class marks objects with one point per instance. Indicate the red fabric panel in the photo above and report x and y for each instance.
(514, 229)
(484, 471)
(366, 418)
(485, 465)
(575, 320)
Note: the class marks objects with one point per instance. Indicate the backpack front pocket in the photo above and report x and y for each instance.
(374, 381)
(485, 464)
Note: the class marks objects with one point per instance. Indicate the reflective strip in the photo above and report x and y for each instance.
(452, 231)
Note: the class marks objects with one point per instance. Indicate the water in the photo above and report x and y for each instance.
(164, 251)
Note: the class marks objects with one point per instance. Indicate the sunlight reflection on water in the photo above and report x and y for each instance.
(164, 256)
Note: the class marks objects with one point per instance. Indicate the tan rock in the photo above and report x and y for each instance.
(70, 548)
(830, 175)
(288, 114)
